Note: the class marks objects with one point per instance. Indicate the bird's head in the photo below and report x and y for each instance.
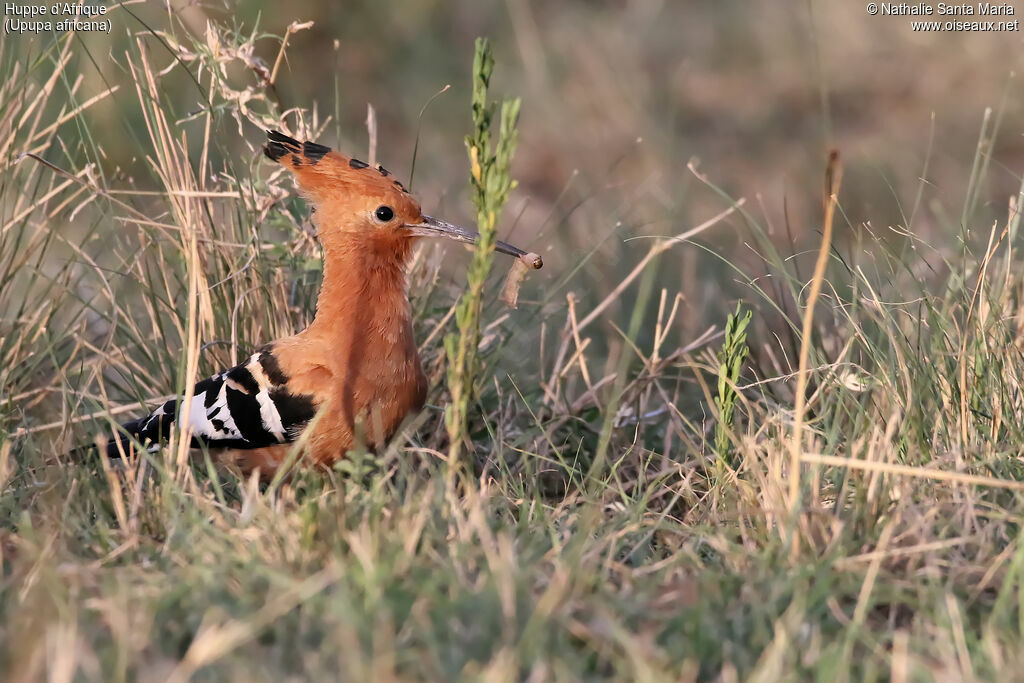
(361, 204)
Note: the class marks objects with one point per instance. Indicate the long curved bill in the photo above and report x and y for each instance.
(434, 227)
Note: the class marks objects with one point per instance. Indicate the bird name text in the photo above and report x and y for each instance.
(60, 17)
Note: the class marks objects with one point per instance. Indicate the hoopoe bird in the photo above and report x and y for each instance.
(354, 373)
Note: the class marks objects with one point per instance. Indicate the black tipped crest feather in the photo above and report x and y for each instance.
(278, 136)
(279, 145)
(314, 152)
(274, 151)
(310, 153)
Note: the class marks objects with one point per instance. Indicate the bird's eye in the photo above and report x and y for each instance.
(384, 213)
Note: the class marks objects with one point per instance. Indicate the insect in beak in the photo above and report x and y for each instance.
(433, 227)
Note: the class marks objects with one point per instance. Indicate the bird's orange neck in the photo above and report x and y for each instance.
(363, 294)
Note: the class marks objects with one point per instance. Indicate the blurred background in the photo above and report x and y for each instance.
(620, 96)
(640, 119)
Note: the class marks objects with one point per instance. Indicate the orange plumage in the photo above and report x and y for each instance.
(354, 373)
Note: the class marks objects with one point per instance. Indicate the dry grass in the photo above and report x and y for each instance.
(599, 537)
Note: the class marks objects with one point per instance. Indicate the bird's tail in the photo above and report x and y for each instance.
(149, 430)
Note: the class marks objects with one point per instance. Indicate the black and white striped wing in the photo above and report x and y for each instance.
(248, 406)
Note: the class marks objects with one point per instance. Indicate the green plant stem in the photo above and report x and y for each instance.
(490, 185)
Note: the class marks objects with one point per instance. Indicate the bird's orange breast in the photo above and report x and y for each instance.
(359, 362)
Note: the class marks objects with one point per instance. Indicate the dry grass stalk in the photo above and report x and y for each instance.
(833, 179)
